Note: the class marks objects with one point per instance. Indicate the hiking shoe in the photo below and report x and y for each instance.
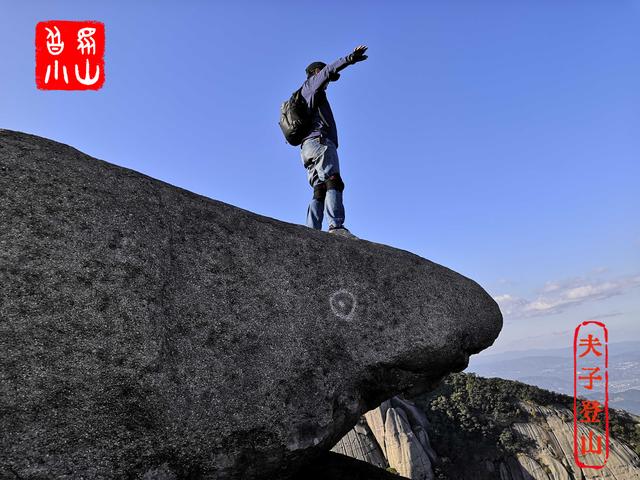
(343, 232)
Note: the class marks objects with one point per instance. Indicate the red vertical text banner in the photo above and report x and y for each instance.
(591, 395)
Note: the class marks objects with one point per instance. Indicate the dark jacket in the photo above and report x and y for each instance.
(323, 124)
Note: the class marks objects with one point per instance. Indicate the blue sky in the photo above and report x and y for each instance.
(498, 138)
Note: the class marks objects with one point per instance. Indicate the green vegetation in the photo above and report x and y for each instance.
(625, 427)
(466, 411)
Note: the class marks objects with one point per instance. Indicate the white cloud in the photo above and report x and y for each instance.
(550, 286)
(509, 304)
(556, 296)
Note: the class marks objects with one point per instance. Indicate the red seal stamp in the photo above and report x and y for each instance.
(70, 55)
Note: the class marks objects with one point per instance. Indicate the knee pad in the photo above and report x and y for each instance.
(335, 182)
(320, 191)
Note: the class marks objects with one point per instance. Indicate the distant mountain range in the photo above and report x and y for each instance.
(553, 370)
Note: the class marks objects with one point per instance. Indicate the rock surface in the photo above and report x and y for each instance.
(361, 444)
(395, 435)
(333, 466)
(553, 438)
(149, 332)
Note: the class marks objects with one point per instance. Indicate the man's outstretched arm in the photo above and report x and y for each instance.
(318, 81)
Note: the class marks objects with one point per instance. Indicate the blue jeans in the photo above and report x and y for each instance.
(320, 158)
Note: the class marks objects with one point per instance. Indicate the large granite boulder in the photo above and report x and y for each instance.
(149, 332)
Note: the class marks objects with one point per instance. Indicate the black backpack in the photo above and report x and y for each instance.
(295, 118)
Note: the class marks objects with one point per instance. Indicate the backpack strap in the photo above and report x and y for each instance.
(324, 120)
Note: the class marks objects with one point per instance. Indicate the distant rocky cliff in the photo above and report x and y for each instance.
(471, 428)
(392, 436)
(149, 332)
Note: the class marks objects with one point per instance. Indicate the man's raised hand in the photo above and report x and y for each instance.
(357, 55)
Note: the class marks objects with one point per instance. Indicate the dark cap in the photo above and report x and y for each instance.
(314, 66)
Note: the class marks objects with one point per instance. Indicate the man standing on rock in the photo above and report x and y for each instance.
(320, 146)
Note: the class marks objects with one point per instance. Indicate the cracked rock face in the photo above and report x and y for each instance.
(392, 435)
(552, 457)
(149, 332)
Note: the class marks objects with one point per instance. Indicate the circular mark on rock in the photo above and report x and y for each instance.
(342, 303)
